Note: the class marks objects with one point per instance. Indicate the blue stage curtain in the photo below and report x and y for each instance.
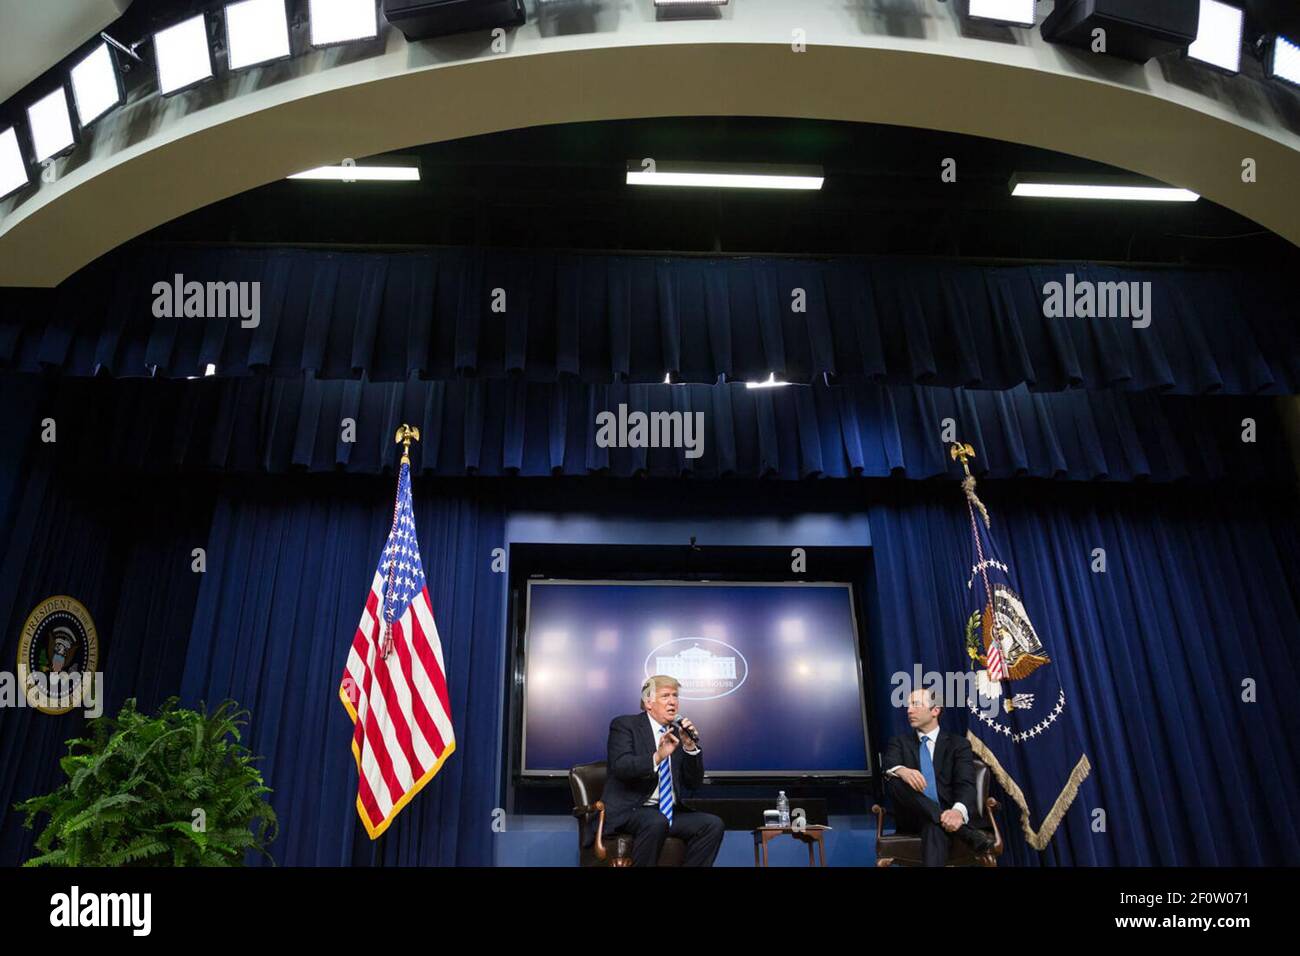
(493, 428)
(268, 623)
(604, 319)
(21, 398)
(1201, 592)
(123, 549)
(288, 574)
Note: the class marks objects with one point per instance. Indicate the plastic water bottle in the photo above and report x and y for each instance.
(783, 808)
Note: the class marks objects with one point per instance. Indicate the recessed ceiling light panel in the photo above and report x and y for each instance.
(361, 174)
(1115, 188)
(724, 176)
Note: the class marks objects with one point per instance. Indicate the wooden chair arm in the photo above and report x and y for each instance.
(991, 810)
(599, 807)
(879, 811)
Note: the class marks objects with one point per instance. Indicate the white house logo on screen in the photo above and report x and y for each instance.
(705, 667)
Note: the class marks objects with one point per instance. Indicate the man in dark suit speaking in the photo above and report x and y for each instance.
(930, 777)
(648, 767)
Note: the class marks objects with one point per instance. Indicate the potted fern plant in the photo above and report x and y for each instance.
(176, 789)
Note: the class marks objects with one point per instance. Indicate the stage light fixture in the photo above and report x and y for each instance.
(373, 174)
(257, 31)
(723, 176)
(1122, 188)
(341, 21)
(1282, 61)
(769, 382)
(1136, 32)
(13, 171)
(1017, 13)
(50, 122)
(1218, 36)
(182, 55)
(96, 84)
(426, 19)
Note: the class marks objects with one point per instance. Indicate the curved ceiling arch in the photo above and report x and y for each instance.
(159, 159)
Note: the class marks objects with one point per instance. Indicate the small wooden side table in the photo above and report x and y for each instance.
(810, 835)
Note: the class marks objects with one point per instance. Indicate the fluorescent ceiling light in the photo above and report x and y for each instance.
(257, 31)
(343, 174)
(1218, 36)
(338, 21)
(724, 180)
(769, 382)
(13, 171)
(95, 85)
(1284, 61)
(1113, 191)
(182, 55)
(1018, 12)
(51, 125)
(721, 176)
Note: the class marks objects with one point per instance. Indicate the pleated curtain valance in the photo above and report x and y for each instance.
(546, 317)
(491, 428)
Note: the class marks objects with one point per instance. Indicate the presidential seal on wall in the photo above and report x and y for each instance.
(58, 654)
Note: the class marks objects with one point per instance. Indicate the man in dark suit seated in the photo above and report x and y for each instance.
(930, 777)
(648, 767)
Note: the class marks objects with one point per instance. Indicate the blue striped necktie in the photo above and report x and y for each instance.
(666, 788)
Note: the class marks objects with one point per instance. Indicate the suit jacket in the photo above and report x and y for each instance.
(631, 771)
(954, 766)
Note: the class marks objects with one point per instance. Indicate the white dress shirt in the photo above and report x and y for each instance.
(928, 741)
(659, 730)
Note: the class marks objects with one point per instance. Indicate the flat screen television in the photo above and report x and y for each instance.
(770, 672)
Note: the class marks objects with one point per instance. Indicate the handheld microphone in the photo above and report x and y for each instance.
(677, 726)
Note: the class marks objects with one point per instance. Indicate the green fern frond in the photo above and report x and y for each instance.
(133, 786)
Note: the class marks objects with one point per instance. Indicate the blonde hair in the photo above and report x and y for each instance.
(652, 685)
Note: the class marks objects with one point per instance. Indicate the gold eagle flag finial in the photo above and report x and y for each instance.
(959, 451)
(405, 435)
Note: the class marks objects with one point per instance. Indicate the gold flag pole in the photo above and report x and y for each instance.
(964, 453)
(405, 435)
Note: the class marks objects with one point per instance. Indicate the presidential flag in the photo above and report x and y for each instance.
(394, 685)
(1020, 721)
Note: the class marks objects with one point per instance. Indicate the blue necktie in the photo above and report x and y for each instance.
(927, 771)
(666, 788)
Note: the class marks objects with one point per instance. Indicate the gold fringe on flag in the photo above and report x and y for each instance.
(1038, 839)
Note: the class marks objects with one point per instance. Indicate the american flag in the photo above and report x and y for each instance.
(997, 667)
(996, 663)
(394, 685)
